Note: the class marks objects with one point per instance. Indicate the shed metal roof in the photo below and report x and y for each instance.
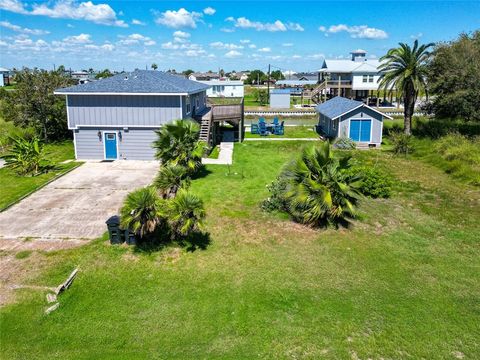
(136, 83)
(338, 106)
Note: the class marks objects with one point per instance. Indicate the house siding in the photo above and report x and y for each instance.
(136, 144)
(123, 110)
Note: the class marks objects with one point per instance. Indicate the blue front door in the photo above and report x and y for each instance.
(360, 130)
(110, 145)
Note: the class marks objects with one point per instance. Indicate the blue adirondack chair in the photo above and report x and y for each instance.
(275, 121)
(262, 128)
(261, 120)
(254, 129)
(279, 129)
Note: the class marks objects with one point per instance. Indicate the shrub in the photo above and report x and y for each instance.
(26, 156)
(344, 143)
(375, 183)
(186, 213)
(402, 143)
(277, 199)
(170, 179)
(320, 190)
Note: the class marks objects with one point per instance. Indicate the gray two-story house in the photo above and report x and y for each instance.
(116, 117)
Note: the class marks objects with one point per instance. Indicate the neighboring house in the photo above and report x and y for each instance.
(116, 117)
(344, 118)
(221, 88)
(82, 77)
(4, 76)
(280, 99)
(306, 76)
(355, 78)
(198, 76)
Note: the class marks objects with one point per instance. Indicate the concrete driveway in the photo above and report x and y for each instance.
(72, 209)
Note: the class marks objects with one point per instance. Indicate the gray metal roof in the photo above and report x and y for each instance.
(339, 106)
(138, 82)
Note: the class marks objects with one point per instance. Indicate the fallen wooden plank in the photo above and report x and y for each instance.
(52, 308)
(51, 298)
(62, 287)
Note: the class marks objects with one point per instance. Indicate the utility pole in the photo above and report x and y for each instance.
(268, 85)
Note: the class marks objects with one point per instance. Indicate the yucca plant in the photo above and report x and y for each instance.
(178, 143)
(170, 179)
(142, 211)
(25, 156)
(320, 191)
(186, 213)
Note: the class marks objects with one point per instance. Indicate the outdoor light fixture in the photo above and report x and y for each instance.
(99, 134)
(120, 135)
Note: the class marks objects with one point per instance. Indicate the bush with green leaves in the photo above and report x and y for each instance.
(344, 143)
(375, 183)
(186, 213)
(401, 142)
(320, 189)
(170, 179)
(26, 157)
(277, 199)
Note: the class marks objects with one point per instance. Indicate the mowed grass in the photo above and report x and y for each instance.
(403, 282)
(14, 186)
(289, 132)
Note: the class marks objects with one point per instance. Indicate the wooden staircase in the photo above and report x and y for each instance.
(206, 127)
(316, 93)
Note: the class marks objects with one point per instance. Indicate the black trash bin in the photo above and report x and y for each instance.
(114, 232)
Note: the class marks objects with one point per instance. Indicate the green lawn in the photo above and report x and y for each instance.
(402, 283)
(290, 132)
(14, 186)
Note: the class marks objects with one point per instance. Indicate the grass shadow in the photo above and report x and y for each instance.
(201, 173)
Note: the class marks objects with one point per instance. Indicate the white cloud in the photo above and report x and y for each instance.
(19, 29)
(264, 49)
(296, 56)
(244, 23)
(194, 53)
(356, 31)
(417, 36)
(99, 14)
(233, 54)
(180, 37)
(70, 26)
(227, 30)
(316, 56)
(245, 41)
(178, 19)
(287, 44)
(252, 46)
(137, 22)
(209, 11)
(78, 39)
(13, 6)
(136, 39)
(226, 46)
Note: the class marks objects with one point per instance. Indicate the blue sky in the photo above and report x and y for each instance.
(290, 35)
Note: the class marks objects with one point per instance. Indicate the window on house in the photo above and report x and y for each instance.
(370, 78)
(365, 78)
(197, 102)
(187, 104)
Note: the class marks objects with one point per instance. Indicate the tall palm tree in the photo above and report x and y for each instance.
(405, 70)
(178, 143)
(186, 213)
(142, 211)
(319, 189)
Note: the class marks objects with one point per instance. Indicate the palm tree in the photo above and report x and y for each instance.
(170, 179)
(177, 143)
(319, 189)
(186, 213)
(154, 66)
(142, 211)
(405, 70)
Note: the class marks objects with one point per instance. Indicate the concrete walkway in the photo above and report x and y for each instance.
(225, 156)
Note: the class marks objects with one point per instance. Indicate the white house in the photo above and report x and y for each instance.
(224, 88)
(198, 76)
(354, 78)
(4, 76)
